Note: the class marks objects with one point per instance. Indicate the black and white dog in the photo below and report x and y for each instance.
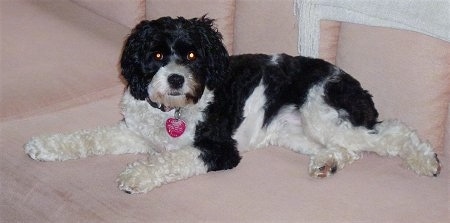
(194, 108)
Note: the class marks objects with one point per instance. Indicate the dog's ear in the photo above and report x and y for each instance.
(131, 60)
(215, 53)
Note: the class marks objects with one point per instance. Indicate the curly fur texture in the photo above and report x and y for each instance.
(177, 67)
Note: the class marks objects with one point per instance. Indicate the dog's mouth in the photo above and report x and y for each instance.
(172, 99)
(174, 93)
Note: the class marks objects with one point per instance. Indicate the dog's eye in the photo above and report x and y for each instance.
(158, 56)
(191, 56)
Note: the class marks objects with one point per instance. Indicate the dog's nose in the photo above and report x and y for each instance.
(175, 81)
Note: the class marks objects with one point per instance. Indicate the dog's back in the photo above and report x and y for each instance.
(287, 81)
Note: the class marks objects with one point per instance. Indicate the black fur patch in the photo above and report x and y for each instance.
(288, 82)
(346, 93)
(213, 136)
(233, 79)
(173, 37)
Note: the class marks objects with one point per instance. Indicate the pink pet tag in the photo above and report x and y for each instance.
(175, 127)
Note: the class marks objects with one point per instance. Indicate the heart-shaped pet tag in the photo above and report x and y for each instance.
(175, 127)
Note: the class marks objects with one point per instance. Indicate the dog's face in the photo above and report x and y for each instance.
(171, 61)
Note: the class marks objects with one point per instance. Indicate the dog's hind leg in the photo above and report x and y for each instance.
(296, 132)
(117, 139)
(393, 138)
(324, 161)
(329, 160)
(344, 132)
(344, 143)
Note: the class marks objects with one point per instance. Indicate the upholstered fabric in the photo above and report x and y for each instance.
(50, 63)
(270, 185)
(408, 74)
(125, 12)
(428, 17)
(427, 68)
(260, 27)
(259, 30)
(329, 41)
(59, 73)
(221, 10)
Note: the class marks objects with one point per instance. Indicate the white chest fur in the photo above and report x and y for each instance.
(149, 122)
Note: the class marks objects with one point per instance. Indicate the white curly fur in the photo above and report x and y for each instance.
(315, 129)
(142, 131)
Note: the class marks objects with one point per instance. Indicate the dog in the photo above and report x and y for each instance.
(194, 109)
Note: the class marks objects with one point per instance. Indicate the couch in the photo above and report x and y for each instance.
(59, 73)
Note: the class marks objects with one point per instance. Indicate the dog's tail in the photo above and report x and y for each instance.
(394, 138)
(104, 140)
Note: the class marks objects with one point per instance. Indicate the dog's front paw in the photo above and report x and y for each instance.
(40, 148)
(138, 178)
(159, 169)
(427, 165)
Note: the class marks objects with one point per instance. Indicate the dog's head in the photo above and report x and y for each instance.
(171, 60)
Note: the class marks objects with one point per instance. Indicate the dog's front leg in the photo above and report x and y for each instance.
(161, 168)
(170, 166)
(117, 139)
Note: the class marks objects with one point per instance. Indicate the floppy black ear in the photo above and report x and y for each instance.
(131, 59)
(216, 56)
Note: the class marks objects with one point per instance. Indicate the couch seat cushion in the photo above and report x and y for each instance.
(55, 55)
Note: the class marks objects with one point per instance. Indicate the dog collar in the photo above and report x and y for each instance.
(158, 106)
(175, 126)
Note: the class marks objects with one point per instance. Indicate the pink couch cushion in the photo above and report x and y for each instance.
(74, 55)
(221, 10)
(329, 39)
(259, 31)
(407, 73)
(268, 186)
(125, 12)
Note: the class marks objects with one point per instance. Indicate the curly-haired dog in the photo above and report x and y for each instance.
(193, 108)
